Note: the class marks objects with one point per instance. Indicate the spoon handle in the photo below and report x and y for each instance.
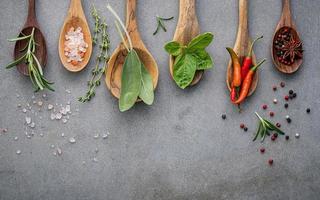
(76, 8)
(286, 13)
(187, 10)
(243, 17)
(131, 23)
(31, 19)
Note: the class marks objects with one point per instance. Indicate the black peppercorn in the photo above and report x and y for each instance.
(308, 110)
(286, 105)
(245, 129)
(294, 95)
(289, 120)
(224, 116)
(287, 137)
(290, 91)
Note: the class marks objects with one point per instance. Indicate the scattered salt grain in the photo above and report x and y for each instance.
(18, 152)
(72, 140)
(28, 120)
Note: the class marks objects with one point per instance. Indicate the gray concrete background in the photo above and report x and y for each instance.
(179, 148)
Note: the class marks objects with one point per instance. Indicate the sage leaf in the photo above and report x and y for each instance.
(204, 60)
(200, 42)
(173, 48)
(130, 81)
(184, 70)
(146, 91)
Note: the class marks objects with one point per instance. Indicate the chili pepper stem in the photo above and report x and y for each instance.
(254, 68)
(252, 44)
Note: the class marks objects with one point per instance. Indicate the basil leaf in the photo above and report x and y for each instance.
(146, 91)
(184, 70)
(204, 60)
(130, 81)
(200, 42)
(173, 48)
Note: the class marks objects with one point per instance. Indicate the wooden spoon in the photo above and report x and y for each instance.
(242, 45)
(187, 28)
(41, 50)
(115, 64)
(75, 19)
(286, 21)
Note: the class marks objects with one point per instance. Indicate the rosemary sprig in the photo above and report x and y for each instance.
(161, 24)
(103, 57)
(264, 127)
(34, 67)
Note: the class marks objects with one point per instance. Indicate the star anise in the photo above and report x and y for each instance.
(292, 49)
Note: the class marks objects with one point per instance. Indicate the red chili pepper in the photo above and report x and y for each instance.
(233, 94)
(246, 84)
(247, 62)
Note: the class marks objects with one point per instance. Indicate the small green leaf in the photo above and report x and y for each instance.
(258, 132)
(204, 60)
(16, 62)
(130, 81)
(274, 128)
(19, 38)
(200, 42)
(146, 92)
(184, 70)
(173, 48)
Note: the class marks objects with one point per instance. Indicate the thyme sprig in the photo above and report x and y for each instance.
(103, 57)
(97, 29)
(161, 24)
(265, 127)
(34, 67)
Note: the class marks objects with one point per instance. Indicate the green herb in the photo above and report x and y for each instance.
(265, 127)
(34, 67)
(103, 57)
(161, 24)
(190, 58)
(136, 81)
(97, 24)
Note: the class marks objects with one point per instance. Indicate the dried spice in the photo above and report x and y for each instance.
(288, 46)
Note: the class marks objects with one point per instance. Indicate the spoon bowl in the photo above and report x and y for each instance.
(41, 49)
(115, 64)
(242, 45)
(75, 19)
(187, 28)
(286, 22)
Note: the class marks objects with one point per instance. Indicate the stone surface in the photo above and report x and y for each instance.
(179, 148)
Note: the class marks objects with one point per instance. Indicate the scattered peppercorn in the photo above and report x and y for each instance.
(275, 135)
(282, 84)
(262, 150)
(289, 120)
(287, 137)
(264, 107)
(286, 97)
(245, 129)
(242, 126)
(274, 88)
(286, 105)
(273, 138)
(270, 161)
(308, 110)
(294, 95)
(224, 116)
(290, 91)
(278, 125)
(271, 114)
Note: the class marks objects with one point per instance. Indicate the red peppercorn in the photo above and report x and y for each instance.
(278, 125)
(264, 107)
(282, 84)
(262, 150)
(270, 161)
(273, 138)
(286, 98)
(242, 126)
(271, 114)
